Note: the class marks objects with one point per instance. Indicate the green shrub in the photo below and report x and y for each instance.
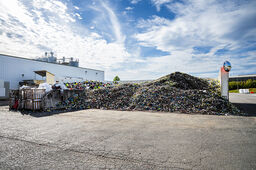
(248, 83)
(242, 84)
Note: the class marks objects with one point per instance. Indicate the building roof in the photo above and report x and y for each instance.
(43, 73)
(46, 62)
(249, 75)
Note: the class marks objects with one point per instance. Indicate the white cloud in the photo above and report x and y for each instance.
(128, 8)
(29, 29)
(54, 7)
(200, 23)
(120, 38)
(153, 22)
(159, 3)
(135, 1)
(78, 16)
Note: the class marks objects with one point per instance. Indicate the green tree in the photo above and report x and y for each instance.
(242, 84)
(249, 83)
(116, 79)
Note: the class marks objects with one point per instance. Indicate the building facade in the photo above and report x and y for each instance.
(242, 77)
(15, 69)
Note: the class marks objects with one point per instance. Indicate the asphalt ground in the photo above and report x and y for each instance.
(100, 139)
(245, 102)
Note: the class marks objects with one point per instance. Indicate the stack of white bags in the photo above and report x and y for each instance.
(244, 91)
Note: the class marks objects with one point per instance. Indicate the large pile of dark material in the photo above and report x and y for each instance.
(176, 92)
(181, 81)
(112, 97)
(170, 99)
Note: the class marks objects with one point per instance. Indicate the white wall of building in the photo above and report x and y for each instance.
(15, 69)
(2, 89)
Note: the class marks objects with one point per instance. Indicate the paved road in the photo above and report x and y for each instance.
(98, 139)
(246, 102)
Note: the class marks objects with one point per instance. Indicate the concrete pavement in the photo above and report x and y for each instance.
(245, 102)
(99, 139)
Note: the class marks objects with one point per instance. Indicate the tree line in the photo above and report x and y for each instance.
(242, 84)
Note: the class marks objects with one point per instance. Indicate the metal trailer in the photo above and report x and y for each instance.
(39, 100)
(26, 99)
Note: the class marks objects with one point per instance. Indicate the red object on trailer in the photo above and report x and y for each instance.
(15, 106)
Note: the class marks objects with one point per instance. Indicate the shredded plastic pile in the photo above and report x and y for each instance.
(176, 92)
(86, 85)
(112, 97)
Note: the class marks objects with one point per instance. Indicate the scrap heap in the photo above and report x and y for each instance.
(114, 97)
(86, 85)
(174, 92)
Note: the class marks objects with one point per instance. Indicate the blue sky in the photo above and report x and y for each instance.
(135, 39)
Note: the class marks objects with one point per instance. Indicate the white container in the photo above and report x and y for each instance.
(244, 91)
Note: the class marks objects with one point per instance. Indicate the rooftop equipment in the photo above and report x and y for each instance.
(49, 57)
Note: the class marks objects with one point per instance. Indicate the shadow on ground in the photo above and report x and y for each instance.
(43, 114)
(4, 102)
(249, 109)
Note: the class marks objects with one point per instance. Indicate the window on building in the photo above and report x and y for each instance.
(22, 75)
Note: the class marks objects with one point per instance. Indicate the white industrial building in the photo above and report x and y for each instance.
(16, 69)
